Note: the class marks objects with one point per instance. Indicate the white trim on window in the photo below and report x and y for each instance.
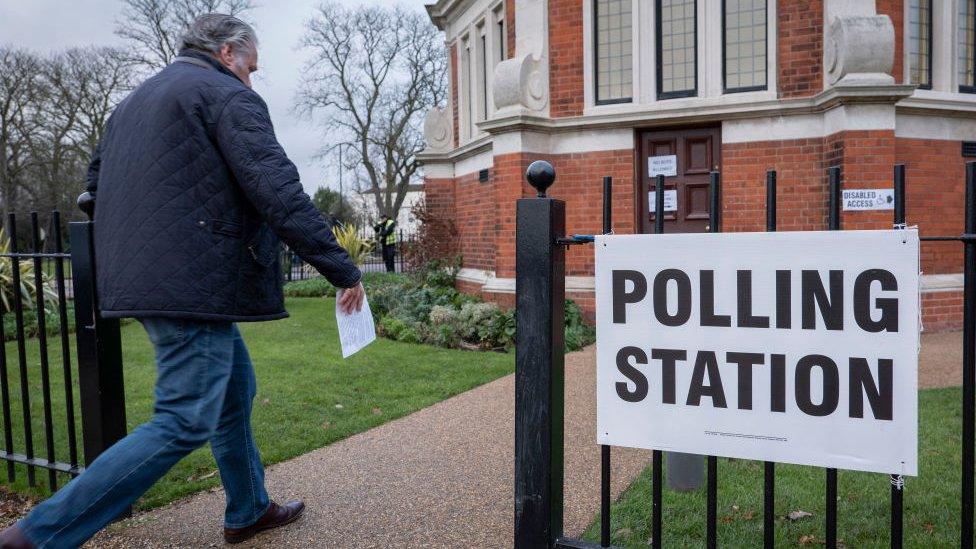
(945, 54)
(475, 79)
(710, 52)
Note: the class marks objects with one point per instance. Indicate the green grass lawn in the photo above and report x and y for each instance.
(308, 396)
(931, 501)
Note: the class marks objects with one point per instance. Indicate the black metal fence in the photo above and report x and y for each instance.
(294, 268)
(45, 287)
(539, 406)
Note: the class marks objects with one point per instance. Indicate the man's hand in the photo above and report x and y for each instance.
(351, 299)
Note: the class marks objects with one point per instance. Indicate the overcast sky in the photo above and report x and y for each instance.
(45, 25)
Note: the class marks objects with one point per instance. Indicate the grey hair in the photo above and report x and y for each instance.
(209, 33)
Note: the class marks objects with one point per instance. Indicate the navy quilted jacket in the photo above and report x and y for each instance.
(193, 192)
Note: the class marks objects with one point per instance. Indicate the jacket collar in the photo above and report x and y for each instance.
(209, 60)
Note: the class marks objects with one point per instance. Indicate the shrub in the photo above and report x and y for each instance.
(396, 329)
(579, 334)
(426, 308)
(356, 247)
(436, 238)
(27, 289)
(313, 287)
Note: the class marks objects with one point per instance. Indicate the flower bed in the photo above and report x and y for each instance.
(427, 308)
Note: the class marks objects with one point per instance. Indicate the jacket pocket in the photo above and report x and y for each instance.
(226, 228)
(263, 248)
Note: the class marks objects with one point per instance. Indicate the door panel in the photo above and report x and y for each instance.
(698, 152)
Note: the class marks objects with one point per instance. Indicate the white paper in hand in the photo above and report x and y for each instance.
(356, 330)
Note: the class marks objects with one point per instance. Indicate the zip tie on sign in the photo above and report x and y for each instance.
(898, 481)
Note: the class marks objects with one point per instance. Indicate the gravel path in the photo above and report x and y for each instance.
(441, 477)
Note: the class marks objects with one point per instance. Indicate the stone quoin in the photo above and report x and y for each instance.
(602, 87)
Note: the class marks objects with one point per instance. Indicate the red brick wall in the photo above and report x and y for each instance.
(799, 47)
(895, 9)
(475, 221)
(941, 311)
(485, 212)
(565, 58)
(866, 159)
(453, 61)
(579, 183)
(935, 185)
(801, 185)
(439, 201)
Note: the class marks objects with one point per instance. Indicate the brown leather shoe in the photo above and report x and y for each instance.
(277, 515)
(13, 538)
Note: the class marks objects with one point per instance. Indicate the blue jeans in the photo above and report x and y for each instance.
(204, 391)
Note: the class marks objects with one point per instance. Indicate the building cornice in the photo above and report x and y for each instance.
(469, 149)
(697, 111)
(442, 10)
(703, 110)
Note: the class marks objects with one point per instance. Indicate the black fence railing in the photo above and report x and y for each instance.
(539, 406)
(44, 289)
(294, 268)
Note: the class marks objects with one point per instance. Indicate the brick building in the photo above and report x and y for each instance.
(599, 87)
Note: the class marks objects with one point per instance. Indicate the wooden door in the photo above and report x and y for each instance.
(698, 152)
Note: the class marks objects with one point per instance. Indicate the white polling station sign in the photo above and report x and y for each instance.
(794, 347)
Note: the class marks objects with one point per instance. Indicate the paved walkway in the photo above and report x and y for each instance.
(441, 477)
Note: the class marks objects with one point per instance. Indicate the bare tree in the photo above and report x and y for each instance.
(79, 88)
(154, 26)
(374, 73)
(18, 88)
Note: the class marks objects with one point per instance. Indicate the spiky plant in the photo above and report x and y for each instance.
(27, 289)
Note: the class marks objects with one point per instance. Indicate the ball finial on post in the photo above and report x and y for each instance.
(86, 203)
(541, 175)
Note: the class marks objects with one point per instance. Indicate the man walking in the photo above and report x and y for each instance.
(192, 192)
(386, 234)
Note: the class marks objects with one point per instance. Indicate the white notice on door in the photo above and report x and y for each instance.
(662, 165)
(670, 201)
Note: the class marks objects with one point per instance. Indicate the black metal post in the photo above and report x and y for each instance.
(969, 360)
(40, 311)
(69, 397)
(657, 485)
(8, 436)
(99, 348)
(833, 219)
(659, 205)
(769, 467)
(21, 349)
(899, 194)
(715, 202)
(711, 488)
(604, 495)
(831, 496)
(539, 300)
(605, 449)
(897, 481)
(657, 457)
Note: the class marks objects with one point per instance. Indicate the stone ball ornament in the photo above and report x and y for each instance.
(541, 175)
(86, 203)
